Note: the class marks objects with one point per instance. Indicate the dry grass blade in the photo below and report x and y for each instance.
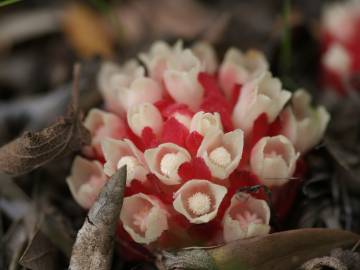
(94, 244)
(33, 150)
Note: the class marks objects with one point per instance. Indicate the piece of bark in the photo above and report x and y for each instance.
(35, 149)
(94, 244)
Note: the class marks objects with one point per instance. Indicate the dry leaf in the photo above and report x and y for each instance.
(281, 251)
(33, 150)
(86, 32)
(40, 253)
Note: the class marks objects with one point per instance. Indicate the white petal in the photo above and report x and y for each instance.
(156, 59)
(86, 181)
(165, 160)
(140, 91)
(238, 68)
(183, 87)
(115, 150)
(241, 204)
(307, 122)
(112, 78)
(144, 115)
(101, 125)
(207, 55)
(214, 192)
(261, 95)
(205, 122)
(273, 160)
(337, 59)
(230, 144)
(154, 218)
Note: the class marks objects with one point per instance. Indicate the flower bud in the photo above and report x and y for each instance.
(205, 123)
(222, 152)
(113, 77)
(303, 125)
(273, 160)
(164, 161)
(199, 200)
(181, 79)
(144, 115)
(156, 59)
(261, 95)
(140, 91)
(144, 218)
(246, 217)
(86, 181)
(237, 68)
(207, 56)
(123, 152)
(102, 125)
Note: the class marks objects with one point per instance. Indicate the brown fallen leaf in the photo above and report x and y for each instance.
(86, 32)
(281, 251)
(35, 149)
(40, 254)
(93, 248)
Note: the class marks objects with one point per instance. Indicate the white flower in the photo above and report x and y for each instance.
(181, 79)
(237, 68)
(103, 125)
(273, 160)
(199, 200)
(339, 19)
(164, 161)
(246, 217)
(222, 152)
(261, 95)
(156, 59)
(206, 122)
(337, 59)
(123, 152)
(144, 115)
(140, 91)
(302, 124)
(86, 181)
(206, 53)
(144, 218)
(113, 77)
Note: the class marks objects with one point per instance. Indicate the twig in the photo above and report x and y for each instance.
(94, 244)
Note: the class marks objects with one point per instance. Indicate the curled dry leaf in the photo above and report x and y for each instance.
(282, 251)
(34, 149)
(94, 244)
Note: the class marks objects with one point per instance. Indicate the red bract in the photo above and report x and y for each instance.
(200, 148)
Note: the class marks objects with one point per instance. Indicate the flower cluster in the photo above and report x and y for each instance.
(193, 135)
(340, 42)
